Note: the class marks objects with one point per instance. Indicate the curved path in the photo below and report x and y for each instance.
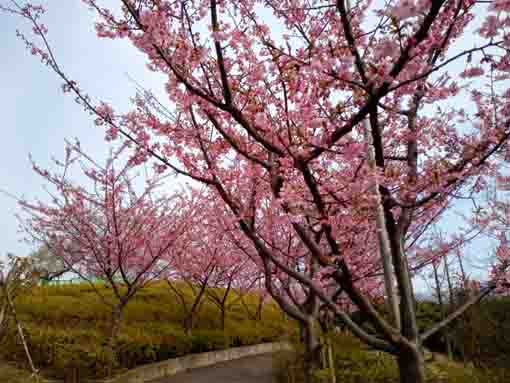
(252, 369)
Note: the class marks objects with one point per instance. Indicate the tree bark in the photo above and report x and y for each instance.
(384, 246)
(259, 308)
(189, 319)
(115, 326)
(188, 323)
(451, 308)
(445, 330)
(410, 359)
(3, 319)
(222, 318)
(312, 355)
(411, 365)
(331, 360)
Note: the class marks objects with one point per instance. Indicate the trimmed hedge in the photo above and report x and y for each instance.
(66, 326)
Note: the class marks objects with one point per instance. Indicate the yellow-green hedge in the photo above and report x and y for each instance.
(66, 325)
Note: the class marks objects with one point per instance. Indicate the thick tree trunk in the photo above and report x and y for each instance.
(410, 359)
(115, 325)
(312, 357)
(112, 336)
(411, 366)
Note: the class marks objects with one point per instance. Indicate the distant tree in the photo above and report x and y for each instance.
(103, 228)
(262, 297)
(212, 267)
(187, 277)
(232, 278)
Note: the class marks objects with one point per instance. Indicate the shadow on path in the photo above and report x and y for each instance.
(252, 369)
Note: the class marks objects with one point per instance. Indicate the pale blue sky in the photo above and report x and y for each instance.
(37, 116)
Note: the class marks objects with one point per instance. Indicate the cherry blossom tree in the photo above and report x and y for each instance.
(357, 125)
(103, 228)
(299, 301)
(234, 273)
(262, 298)
(209, 268)
(492, 218)
(233, 278)
(188, 277)
(190, 274)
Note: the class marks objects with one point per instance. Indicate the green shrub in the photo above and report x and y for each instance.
(66, 326)
(480, 336)
(355, 364)
(63, 353)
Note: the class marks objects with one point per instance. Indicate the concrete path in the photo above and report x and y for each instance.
(252, 369)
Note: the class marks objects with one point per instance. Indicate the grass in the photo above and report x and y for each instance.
(66, 327)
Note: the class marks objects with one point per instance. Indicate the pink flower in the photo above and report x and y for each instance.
(500, 5)
(105, 113)
(472, 72)
(261, 119)
(490, 26)
(404, 10)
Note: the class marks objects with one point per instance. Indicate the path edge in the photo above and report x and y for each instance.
(158, 370)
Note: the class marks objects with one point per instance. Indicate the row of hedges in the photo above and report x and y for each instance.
(66, 326)
(60, 305)
(70, 353)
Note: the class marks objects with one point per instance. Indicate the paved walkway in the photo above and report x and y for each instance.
(252, 369)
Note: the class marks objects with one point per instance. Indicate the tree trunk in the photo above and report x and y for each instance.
(3, 319)
(451, 342)
(445, 331)
(410, 359)
(331, 360)
(188, 323)
(312, 355)
(112, 336)
(189, 319)
(115, 325)
(411, 366)
(448, 340)
(222, 313)
(383, 242)
(259, 308)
